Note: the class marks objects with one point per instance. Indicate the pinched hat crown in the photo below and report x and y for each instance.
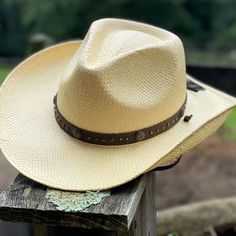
(125, 76)
(124, 83)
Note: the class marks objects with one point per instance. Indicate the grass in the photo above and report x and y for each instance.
(231, 120)
(4, 71)
(228, 130)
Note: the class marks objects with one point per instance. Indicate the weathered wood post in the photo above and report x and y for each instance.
(130, 210)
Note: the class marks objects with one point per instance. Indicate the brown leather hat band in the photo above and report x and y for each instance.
(117, 138)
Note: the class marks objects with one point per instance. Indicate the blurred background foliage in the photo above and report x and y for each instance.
(206, 27)
(201, 24)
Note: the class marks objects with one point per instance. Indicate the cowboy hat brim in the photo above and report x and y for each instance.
(33, 143)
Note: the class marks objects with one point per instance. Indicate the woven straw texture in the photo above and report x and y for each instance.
(116, 98)
(127, 68)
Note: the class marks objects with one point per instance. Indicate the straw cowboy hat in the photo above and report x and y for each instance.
(97, 113)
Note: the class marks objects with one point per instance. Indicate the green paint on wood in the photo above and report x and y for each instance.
(26, 192)
(74, 201)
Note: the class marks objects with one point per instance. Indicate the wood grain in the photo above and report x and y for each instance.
(24, 201)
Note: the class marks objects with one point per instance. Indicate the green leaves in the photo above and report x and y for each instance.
(199, 23)
(173, 234)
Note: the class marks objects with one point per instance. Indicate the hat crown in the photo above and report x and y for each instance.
(124, 77)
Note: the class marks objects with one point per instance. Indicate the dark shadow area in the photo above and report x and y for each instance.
(13, 229)
(219, 77)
